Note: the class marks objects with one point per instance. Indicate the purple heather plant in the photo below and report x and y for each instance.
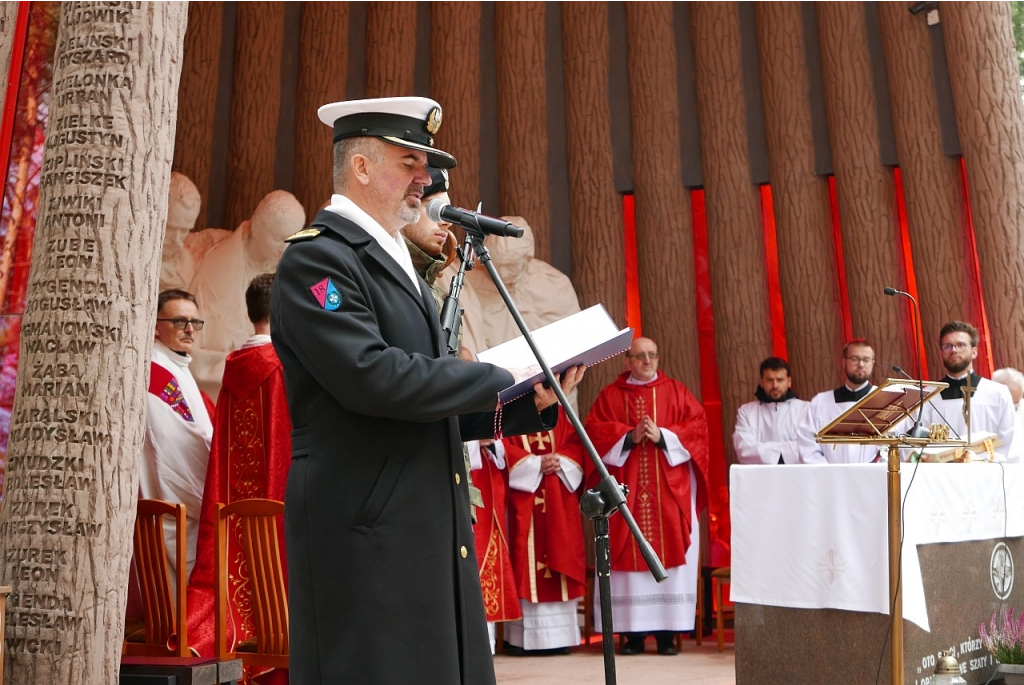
(1006, 644)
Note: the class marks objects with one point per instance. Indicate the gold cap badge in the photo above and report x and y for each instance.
(434, 120)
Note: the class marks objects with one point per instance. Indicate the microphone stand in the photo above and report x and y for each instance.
(917, 431)
(601, 502)
(451, 312)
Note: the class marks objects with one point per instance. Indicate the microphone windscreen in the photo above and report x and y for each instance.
(434, 208)
(889, 291)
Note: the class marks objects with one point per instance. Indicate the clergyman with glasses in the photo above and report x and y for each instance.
(857, 363)
(178, 420)
(991, 407)
(653, 435)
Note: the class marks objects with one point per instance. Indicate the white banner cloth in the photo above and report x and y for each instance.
(815, 536)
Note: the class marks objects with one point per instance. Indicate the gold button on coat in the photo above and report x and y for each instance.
(464, 551)
(458, 479)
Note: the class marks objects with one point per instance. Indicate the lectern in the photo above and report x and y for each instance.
(883, 417)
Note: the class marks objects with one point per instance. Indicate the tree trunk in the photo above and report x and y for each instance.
(255, 108)
(197, 95)
(808, 274)
(390, 49)
(931, 182)
(323, 76)
(664, 220)
(864, 187)
(523, 119)
(78, 422)
(598, 271)
(990, 121)
(455, 83)
(8, 21)
(739, 280)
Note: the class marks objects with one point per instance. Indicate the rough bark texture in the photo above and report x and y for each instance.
(736, 251)
(455, 82)
(200, 77)
(597, 233)
(864, 187)
(390, 49)
(990, 122)
(807, 262)
(323, 71)
(8, 21)
(523, 119)
(78, 424)
(255, 108)
(664, 222)
(931, 182)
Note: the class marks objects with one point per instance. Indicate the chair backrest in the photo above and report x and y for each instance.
(164, 614)
(257, 529)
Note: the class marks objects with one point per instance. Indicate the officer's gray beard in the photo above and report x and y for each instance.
(409, 215)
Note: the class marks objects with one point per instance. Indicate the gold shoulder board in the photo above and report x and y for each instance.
(305, 234)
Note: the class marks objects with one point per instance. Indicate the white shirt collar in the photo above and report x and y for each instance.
(173, 357)
(394, 245)
(633, 380)
(256, 340)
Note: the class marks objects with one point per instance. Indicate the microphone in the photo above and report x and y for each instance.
(438, 210)
(918, 431)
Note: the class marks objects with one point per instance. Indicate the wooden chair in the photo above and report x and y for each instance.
(258, 530)
(164, 615)
(719, 577)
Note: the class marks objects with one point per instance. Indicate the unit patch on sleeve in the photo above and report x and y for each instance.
(326, 294)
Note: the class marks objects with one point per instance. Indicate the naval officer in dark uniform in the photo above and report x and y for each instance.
(383, 585)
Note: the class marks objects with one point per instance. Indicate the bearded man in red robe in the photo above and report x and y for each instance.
(250, 457)
(653, 435)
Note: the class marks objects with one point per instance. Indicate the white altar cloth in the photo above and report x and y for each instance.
(815, 536)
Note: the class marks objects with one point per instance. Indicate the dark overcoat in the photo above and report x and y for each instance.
(382, 578)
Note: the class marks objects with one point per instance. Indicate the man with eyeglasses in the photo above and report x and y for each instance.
(653, 435)
(766, 429)
(178, 423)
(991, 402)
(858, 362)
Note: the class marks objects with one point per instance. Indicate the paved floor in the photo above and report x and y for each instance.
(703, 665)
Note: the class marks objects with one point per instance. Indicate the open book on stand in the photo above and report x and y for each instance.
(587, 337)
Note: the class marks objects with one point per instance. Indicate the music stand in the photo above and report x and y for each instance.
(871, 421)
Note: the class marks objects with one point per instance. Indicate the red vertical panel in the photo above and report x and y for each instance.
(632, 271)
(983, 364)
(771, 259)
(837, 239)
(908, 264)
(718, 495)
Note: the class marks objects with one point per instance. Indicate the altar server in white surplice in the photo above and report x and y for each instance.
(858, 362)
(991, 403)
(766, 430)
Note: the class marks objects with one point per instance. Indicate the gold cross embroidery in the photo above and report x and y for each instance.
(543, 504)
(540, 440)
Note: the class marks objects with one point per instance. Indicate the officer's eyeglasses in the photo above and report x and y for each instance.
(182, 324)
(644, 355)
(959, 347)
(860, 360)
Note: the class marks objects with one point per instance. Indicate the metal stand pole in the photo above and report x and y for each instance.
(895, 587)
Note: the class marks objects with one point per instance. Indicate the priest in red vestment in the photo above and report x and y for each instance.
(546, 534)
(250, 457)
(497, 582)
(653, 435)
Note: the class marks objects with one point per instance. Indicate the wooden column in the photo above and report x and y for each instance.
(931, 182)
(455, 82)
(322, 74)
(664, 223)
(597, 232)
(807, 261)
(197, 98)
(871, 247)
(522, 117)
(390, 49)
(736, 250)
(990, 121)
(255, 108)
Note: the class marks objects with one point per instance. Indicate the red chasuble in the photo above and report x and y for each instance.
(659, 495)
(501, 602)
(249, 457)
(546, 531)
